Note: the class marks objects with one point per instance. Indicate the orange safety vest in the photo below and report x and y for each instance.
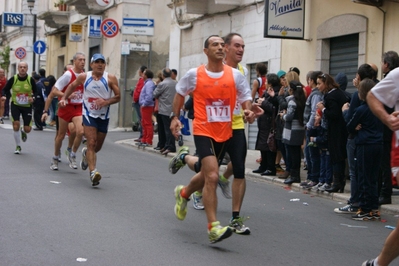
(214, 101)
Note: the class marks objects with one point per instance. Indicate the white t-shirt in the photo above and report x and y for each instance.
(387, 92)
(188, 82)
(64, 80)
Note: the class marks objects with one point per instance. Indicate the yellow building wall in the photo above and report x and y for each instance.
(303, 53)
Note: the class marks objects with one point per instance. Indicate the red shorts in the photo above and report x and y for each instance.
(70, 111)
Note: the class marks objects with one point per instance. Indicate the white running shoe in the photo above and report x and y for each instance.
(197, 200)
(95, 177)
(83, 162)
(54, 164)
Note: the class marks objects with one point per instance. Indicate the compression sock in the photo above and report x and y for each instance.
(182, 156)
(183, 193)
(17, 138)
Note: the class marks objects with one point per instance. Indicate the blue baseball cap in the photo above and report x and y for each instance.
(96, 57)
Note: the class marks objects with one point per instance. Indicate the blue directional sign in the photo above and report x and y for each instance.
(39, 47)
(13, 19)
(138, 26)
(138, 22)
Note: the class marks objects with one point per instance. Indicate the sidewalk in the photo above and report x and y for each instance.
(251, 164)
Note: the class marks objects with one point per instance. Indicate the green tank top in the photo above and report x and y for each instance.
(21, 91)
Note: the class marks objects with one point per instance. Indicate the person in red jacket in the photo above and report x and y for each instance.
(136, 96)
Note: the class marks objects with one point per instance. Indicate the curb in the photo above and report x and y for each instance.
(342, 197)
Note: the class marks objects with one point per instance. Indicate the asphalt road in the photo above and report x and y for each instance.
(129, 220)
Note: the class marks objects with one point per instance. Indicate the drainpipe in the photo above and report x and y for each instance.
(383, 29)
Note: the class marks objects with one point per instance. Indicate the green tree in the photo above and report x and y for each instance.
(5, 54)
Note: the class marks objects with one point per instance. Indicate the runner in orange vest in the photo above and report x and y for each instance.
(215, 88)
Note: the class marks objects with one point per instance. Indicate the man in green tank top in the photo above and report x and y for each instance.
(22, 90)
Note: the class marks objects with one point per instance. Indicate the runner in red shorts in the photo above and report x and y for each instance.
(72, 112)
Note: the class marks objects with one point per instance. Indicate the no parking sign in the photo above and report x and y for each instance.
(109, 28)
(20, 53)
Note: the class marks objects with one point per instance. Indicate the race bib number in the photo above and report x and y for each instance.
(92, 104)
(218, 110)
(22, 98)
(77, 97)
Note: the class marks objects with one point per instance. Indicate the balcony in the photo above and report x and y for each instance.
(90, 7)
(210, 6)
(54, 18)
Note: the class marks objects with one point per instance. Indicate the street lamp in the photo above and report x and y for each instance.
(31, 5)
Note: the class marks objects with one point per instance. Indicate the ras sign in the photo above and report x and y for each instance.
(13, 19)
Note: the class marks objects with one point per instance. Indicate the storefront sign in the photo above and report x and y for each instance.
(284, 19)
(75, 32)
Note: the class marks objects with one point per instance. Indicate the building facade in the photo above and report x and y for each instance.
(339, 35)
(125, 51)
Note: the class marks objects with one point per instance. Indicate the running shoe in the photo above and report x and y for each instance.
(324, 187)
(218, 233)
(197, 200)
(376, 215)
(24, 136)
(176, 162)
(317, 187)
(54, 164)
(363, 216)
(225, 186)
(310, 185)
(1, 121)
(95, 177)
(181, 204)
(72, 162)
(305, 183)
(18, 150)
(347, 209)
(83, 162)
(238, 226)
(368, 263)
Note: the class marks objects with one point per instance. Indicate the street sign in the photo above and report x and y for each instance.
(138, 26)
(94, 26)
(140, 47)
(75, 32)
(109, 27)
(20, 53)
(39, 47)
(125, 48)
(13, 19)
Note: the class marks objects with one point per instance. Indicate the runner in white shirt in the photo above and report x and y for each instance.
(97, 97)
(386, 92)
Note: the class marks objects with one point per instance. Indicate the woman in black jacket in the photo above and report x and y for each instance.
(268, 102)
(334, 99)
